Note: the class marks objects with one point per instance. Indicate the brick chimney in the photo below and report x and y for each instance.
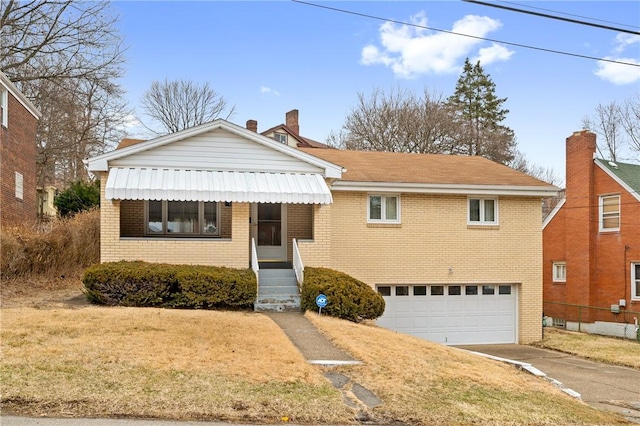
(252, 125)
(292, 121)
(581, 216)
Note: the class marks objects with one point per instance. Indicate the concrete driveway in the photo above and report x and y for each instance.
(600, 385)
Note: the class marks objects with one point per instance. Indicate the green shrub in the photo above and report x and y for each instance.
(348, 298)
(79, 196)
(208, 287)
(169, 286)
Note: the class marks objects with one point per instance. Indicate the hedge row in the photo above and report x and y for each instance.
(169, 286)
(348, 298)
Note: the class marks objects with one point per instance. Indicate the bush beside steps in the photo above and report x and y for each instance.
(159, 285)
(348, 297)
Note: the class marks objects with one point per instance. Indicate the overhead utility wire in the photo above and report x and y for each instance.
(568, 14)
(542, 49)
(546, 15)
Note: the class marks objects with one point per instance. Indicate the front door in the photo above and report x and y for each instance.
(269, 229)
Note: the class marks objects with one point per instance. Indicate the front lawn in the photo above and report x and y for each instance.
(592, 346)
(240, 367)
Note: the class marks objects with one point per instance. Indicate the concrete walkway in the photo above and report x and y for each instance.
(600, 385)
(313, 345)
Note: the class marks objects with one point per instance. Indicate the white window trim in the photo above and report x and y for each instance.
(4, 103)
(277, 136)
(482, 221)
(556, 277)
(634, 280)
(601, 213)
(164, 232)
(383, 211)
(19, 186)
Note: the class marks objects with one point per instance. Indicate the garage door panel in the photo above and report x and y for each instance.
(469, 314)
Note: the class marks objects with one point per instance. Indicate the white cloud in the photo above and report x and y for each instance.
(411, 51)
(619, 73)
(495, 53)
(268, 91)
(625, 40)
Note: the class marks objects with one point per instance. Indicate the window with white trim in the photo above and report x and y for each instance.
(4, 108)
(635, 281)
(482, 211)
(383, 208)
(182, 218)
(559, 272)
(19, 186)
(280, 137)
(609, 206)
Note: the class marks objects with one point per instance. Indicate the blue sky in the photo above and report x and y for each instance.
(267, 58)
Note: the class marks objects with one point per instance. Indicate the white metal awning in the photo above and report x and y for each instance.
(205, 185)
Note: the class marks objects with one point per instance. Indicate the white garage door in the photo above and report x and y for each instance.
(452, 314)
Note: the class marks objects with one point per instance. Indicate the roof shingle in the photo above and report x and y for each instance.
(368, 166)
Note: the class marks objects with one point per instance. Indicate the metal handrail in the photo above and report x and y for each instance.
(254, 258)
(298, 266)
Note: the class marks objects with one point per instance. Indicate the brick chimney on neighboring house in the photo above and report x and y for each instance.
(252, 125)
(581, 210)
(292, 121)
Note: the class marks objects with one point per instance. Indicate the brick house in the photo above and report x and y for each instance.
(18, 121)
(453, 243)
(592, 244)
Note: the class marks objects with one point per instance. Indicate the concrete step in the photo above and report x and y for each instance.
(279, 289)
(276, 307)
(277, 273)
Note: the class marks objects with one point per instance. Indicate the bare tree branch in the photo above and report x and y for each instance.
(180, 104)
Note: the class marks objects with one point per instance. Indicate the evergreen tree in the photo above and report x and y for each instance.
(79, 196)
(478, 113)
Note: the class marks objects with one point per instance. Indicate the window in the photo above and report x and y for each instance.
(420, 290)
(402, 290)
(182, 218)
(504, 289)
(383, 208)
(437, 290)
(488, 289)
(483, 211)
(609, 213)
(471, 290)
(19, 186)
(384, 290)
(559, 272)
(635, 281)
(280, 137)
(454, 290)
(4, 108)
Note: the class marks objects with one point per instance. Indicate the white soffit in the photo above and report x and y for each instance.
(207, 185)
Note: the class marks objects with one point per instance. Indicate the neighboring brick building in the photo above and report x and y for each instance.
(453, 243)
(592, 244)
(18, 121)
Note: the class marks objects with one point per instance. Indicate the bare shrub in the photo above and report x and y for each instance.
(60, 247)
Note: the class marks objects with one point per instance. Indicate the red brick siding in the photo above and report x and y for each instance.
(598, 264)
(18, 154)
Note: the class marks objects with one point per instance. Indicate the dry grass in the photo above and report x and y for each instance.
(591, 346)
(54, 248)
(158, 363)
(239, 367)
(423, 383)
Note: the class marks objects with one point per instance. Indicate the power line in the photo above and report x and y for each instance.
(524, 46)
(546, 15)
(568, 14)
